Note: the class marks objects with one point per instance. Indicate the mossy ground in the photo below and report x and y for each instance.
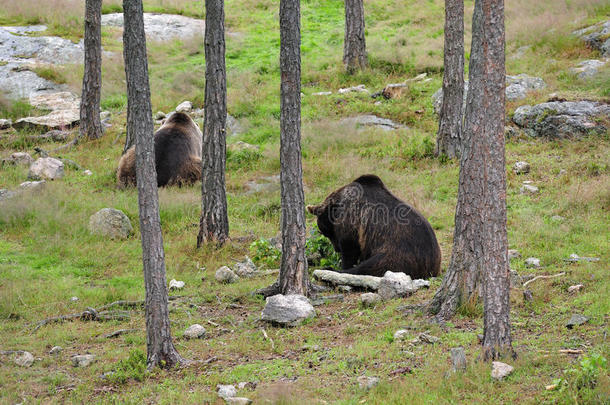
(47, 254)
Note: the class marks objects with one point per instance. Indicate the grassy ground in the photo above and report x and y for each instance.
(47, 254)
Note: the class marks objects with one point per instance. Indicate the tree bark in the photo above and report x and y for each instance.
(160, 348)
(449, 133)
(293, 269)
(354, 45)
(90, 124)
(214, 223)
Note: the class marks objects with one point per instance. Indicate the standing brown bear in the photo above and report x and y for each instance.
(376, 232)
(177, 154)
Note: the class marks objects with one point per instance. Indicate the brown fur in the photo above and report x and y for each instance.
(177, 154)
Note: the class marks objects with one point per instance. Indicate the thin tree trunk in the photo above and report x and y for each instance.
(354, 45)
(90, 124)
(160, 348)
(293, 269)
(214, 224)
(449, 132)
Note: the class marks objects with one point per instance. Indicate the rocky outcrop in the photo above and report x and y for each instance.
(46, 168)
(563, 119)
(588, 68)
(597, 37)
(369, 120)
(162, 27)
(64, 113)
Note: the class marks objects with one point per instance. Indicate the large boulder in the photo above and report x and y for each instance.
(162, 27)
(110, 222)
(597, 37)
(588, 68)
(563, 119)
(18, 158)
(394, 285)
(287, 310)
(46, 168)
(65, 112)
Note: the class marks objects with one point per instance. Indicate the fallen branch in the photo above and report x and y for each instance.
(120, 332)
(212, 323)
(571, 351)
(268, 338)
(543, 277)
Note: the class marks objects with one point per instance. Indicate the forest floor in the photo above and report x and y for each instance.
(48, 256)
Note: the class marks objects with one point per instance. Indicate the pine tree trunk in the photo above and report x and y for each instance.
(214, 224)
(354, 45)
(293, 269)
(90, 124)
(161, 351)
(449, 132)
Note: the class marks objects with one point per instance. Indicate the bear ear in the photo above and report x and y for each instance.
(314, 209)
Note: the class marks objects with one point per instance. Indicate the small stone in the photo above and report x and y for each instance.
(238, 401)
(345, 288)
(513, 254)
(576, 320)
(360, 89)
(246, 385)
(55, 350)
(195, 331)
(226, 275)
(369, 299)
(575, 288)
(515, 279)
(528, 189)
(4, 124)
(246, 268)
(533, 262)
(500, 370)
(226, 391)
(110, 222)
(32, 185)
(24, 359)
(366, 382)
(83, 360)
(419, 283)
(176, 284)
(287, 310)
(160, 115)
(394, 285)
(322, 93)
(424, 337)
(401, 334)
(46, 168)
(528, 296)
(521, 167)
(458, 359)
(557, 218)
(185, 107)
(87, 172)
(74, 299)
(104, 115)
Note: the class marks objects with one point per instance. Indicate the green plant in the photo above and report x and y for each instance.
(264, 252)
(320, 251)
(133, 366)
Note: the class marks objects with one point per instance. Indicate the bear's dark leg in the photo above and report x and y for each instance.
(373, 266)
(350, 252)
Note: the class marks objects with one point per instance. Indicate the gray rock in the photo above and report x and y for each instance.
(515, 279)
(361, 88)
(176, 284)
(366, 382)
(46, 168)
(588, 68)
(401, 334)
(88, 172)
(185, 107)
(528, 189)
(240, 146)
(513, 254)
(32, 185)
(160, 115)
(520, 52)
(322, 93)
(575, 288)
(83, 360)
(54, 135)
(345, 288)
(557, 218)
(55, 350)
(419, 283)
(335, 278)
(24, 359)
(575, 258)
(226, 275)
(110, 222)
(528, 296)
(532, 262)
(500, 370)
(521, 167)
(458, 359)
(246, 268)
(369, 120)
(267, 184)
(369, 299)
(238, 401)
(162, 27)
(226, 391)
(233, 126)
(562, 119)
(6, 194)
(426, 338)
(65, 112)
(5, 123)
(287, 310)
(597, 37)
(195, 331)
(576, 320)
(394, 285)
(73, 299)
(19, 158)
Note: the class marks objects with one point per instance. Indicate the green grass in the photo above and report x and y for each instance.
(48, 256)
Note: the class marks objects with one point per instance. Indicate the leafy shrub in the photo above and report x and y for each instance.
(320, 251)
(243, 159)
(264, 252)
(133, 366)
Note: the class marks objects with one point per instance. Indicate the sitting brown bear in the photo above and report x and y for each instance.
(376, 232)
(177, 154)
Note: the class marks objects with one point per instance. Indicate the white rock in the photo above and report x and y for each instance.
(24, 359)
(521, 167)
(513, 254)
(83, 360)
(55, 350)
(238, 401)
(195, 331)
(32, 185)
(176, 284)
(557, 218)
(401, 334)
(87, 172)
(575, 288)
(366, 382)
(160, 115)
(287, 310)
(74, 299)
(369, 299)
(226, 391)
(185, 107)
(419, 283)
(528, 189)
(21, 158)
(500, 370)
(247, 268)
(360, 88)
(532, 262)
(4, 124)
(336, 278)
(226, 275)
(394, 285)
(322, 93)
(46, 168)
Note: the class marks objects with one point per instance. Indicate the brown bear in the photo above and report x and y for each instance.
(177, 154)
(375, 232)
